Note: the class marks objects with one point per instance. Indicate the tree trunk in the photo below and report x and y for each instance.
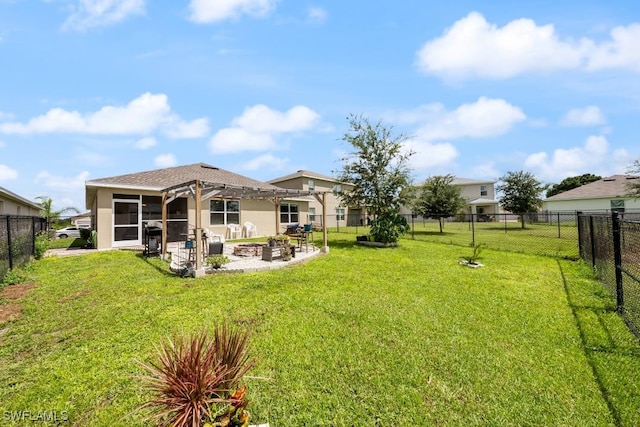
(440, 222)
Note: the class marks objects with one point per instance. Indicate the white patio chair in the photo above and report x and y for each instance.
(234, 231)
(250, 230)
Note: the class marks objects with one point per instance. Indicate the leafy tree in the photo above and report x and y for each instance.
(521, 193)
(633, 188)
(377, 168)
(572, 182)
(47, 212)
(439, 198)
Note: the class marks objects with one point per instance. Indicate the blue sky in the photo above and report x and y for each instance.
(97, 88)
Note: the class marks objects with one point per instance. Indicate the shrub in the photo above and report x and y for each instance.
(388, 227)
(195, 380)
(41, 244)
(13, 277)
(217, 261)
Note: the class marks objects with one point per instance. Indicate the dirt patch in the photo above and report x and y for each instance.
(74, 296)
(13, 292)
(10, 312)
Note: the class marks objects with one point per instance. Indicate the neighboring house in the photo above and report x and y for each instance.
(82, 221)
(605, 195)
(12, 204)
(121, 205)
(336, 213)
(478, 194)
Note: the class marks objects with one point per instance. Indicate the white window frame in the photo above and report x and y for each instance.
(311, 184)
(340, 214)
(226, 212)
(483, 190)
(289, 213)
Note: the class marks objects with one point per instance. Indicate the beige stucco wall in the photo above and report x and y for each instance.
(10, 207)
(332, 202)
(262, 213)
(472, 191)
(588, 204)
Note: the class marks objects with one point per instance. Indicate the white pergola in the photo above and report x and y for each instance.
(203, 190)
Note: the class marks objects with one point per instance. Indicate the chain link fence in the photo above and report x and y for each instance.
(17, 240)
(611, 244)
(546, 233)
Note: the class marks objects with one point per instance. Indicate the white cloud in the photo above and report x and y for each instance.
(592, 157)
(473, 47)
(99, 13)
(258, 128)
(317, 15)
(485, 170)
(208, 11)
(484, 118)
(7, 174)
(621, 52)
(588, 116)
(165, 160)
(429, 155)
(61, 183)
(146, 114)
(266, 162)
(145, 143)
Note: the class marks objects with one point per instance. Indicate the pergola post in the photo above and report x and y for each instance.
(276, 202)
(164, 225)
(199, 272)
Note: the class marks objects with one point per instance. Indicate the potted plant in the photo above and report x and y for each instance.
(287, 251)
(217, 261)
(472, 260)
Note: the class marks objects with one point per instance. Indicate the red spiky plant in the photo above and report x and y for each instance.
(195, 379)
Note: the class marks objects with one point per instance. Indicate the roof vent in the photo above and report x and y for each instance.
(633, 177)
(609, 179)
(210, 167)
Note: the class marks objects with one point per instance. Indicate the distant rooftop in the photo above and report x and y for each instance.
(611, 186)
(303, 174)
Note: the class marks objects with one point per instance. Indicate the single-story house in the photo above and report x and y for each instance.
(605, 195)
(337, 213)
(13, 204)
(122, 205)
(82, 220)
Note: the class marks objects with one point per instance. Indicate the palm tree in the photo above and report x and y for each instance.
(46, 210)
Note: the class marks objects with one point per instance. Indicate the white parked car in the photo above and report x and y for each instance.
(63, 233)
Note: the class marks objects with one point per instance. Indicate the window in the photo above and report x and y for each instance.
(312, 184)
(224, 212)
(312, 214)
(617, 205)
(289, 213)
(337, 189)
(483, 190)
(339, 214)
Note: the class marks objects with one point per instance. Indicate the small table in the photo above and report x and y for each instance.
(269, 253)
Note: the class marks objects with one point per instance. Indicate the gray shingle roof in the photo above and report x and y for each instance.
(612, 186)
(303, 174)
(162, 178)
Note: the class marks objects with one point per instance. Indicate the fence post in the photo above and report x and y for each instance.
(473, 231)
(33, 235)
(413, 227)
(617, 256)
(593, 242)
(558, 225)
(580, 238)
(505, 223)
(9, 242)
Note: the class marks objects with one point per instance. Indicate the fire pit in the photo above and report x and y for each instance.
(248, 249)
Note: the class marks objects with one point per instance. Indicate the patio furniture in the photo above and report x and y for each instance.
(234, 230)
(250, 230)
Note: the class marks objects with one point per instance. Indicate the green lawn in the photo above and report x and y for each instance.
(358, 337)
(536, 238)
